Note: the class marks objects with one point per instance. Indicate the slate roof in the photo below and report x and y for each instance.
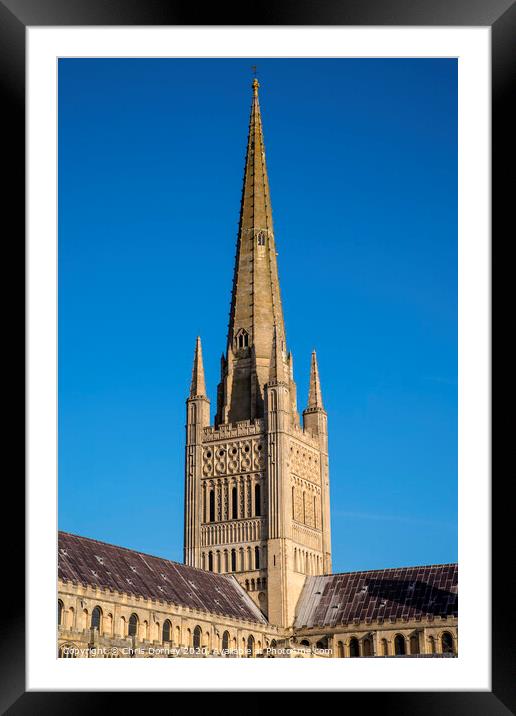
(87, 561)
(408, 592)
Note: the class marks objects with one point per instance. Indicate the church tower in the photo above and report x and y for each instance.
(256, 483)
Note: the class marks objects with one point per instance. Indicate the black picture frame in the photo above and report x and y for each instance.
(500, 16)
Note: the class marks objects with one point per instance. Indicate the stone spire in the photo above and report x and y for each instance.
(256, 302)
(198, 385)
(314, 392)
(255, 210)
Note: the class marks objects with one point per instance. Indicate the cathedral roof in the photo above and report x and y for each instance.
(388, 594)
(87, 561)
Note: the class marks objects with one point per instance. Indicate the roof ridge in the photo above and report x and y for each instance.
(387, 569)
(119, 546)
(144, 554)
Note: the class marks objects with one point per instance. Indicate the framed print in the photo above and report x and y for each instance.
(316, 520)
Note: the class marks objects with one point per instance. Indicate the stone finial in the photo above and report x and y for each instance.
(314, 393)
(198, 385)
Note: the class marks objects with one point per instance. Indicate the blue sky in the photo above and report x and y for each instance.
(362, 160)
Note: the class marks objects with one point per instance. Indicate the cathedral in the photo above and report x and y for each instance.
(257, 574)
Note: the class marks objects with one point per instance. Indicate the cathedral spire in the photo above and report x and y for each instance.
(198, 385)
(255, 210)
(314, 393)
(255, 302)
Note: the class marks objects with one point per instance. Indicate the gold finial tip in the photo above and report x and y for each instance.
(256, 84)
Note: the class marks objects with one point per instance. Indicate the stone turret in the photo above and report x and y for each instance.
(314, 415)
(315, 421)
(197, 418)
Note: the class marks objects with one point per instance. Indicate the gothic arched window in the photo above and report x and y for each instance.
(193, 413)
(447, 643)
(367, 647)
(234, 503)
(354, 649)
(95, 618)
(399, 645)
(212, 505)
(414, 644)
(257, 558)
(225, 642)
(59, 612)
(233, 560)
(197, 637)
(210, 561)
(133, 625)
(167, 630)
(257, 500)
(242, 339)
(250, 646)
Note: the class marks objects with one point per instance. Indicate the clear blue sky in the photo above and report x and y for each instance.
(362, 159)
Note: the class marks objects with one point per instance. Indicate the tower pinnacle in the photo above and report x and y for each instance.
(198, 385)
(314, 393)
